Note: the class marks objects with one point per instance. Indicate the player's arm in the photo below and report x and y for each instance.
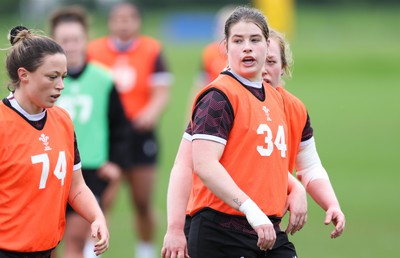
(83, 201)
(296, 203)
(160, 83)
(118, 141)
(206, 156)
(316, 181)
(180, 183)
(85, 204)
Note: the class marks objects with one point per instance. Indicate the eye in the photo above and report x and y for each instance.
(271, 61)
(53, 77)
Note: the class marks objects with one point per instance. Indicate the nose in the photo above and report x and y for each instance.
(60, 84)
(264, 70)
(247, 46)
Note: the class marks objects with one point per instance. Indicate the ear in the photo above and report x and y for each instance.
(23, 74)
(226, 46)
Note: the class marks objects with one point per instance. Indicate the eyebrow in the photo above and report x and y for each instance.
(240, 35)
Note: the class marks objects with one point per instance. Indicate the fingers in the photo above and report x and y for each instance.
(102, 245)
(339, 228)
(266, 236)
(174, 246)
(296, 222)
(166, 253)
(335, 216)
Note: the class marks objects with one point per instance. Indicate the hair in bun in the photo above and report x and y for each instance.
(28, 50)
(17, 33)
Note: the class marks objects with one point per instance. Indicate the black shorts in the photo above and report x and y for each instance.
(186, 229)
(214, 234)
(143, 148)
(96, 184)
(41, 254)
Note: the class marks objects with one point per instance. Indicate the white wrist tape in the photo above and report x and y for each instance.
(308, 163)
(253, 213)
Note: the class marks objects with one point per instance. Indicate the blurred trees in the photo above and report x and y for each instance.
(7, 6)
(32, 9)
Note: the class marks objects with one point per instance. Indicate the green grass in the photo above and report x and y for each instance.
(347, 73)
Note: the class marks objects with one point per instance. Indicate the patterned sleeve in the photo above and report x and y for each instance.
(77, 156)
(212, 117)
(189, 129)
(307, 131)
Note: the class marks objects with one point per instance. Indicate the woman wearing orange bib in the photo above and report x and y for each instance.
(240, 172)
(40, 168)
(307, 162)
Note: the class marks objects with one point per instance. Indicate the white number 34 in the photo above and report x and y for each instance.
(59, 171)
(279, 140)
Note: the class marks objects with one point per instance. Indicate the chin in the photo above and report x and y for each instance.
(49, 105)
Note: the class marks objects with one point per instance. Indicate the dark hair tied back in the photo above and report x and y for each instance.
(12, 36)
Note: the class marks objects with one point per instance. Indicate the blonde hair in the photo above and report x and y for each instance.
(286, 53)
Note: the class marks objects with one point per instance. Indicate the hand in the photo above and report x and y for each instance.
(145, 121)
(296, 203)
(335, 215)
(260, 223)
(175, 245)
(266, 236)
(99, 230)
(109, 171)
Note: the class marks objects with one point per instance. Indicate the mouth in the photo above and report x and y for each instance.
(55, 96)
(267, 80)
(248, 60)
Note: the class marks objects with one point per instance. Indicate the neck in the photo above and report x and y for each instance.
(247, 81)
(26, 104)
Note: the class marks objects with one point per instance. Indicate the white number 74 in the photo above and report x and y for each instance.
(59, 171)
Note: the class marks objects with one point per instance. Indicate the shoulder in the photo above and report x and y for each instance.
(149, 40)
(60, 114)
(99, 42)
(290, 98)
(211, 48)
(100, 69)
(149, 43)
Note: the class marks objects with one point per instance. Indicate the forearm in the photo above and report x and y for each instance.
(294, 184)
(158, 101)
(180, 184)
(178, 195)
(82, 199)
(323, 194)
(308, 164)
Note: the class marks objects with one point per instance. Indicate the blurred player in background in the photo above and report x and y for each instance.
(143, 83)
(100, 123)
(214, 58)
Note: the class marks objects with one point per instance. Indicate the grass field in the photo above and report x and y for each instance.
(347, 63)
